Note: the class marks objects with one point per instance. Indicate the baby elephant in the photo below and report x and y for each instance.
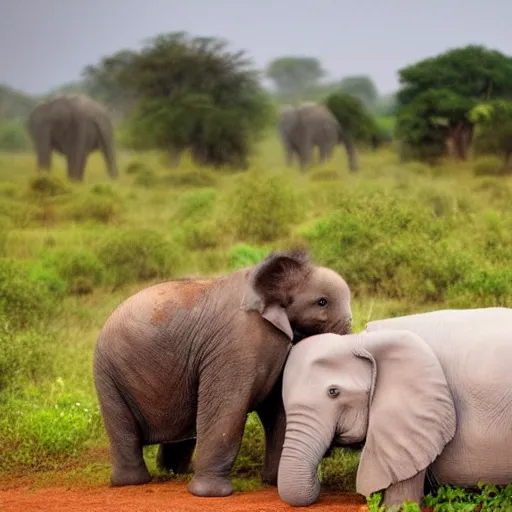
(428, 391)
(189, 359)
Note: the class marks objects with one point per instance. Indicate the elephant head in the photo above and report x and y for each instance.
(385, 388)
(299, 298)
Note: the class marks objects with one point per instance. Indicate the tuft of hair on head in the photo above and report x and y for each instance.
(279, 273)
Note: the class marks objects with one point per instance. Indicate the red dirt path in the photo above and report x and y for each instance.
(21, 496)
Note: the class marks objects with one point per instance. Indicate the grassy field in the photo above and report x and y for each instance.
(407, 238)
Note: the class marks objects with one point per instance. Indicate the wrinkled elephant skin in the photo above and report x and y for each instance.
(426, 392)
(186, 360)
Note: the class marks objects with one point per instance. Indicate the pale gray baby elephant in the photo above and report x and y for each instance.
(428, 391)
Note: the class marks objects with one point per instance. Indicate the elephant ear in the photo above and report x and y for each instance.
(272, 285)
(411, 410)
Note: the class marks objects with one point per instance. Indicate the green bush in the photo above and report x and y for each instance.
(133, 255)
(241, 256)
(146, 178)
(191, 178)
(386, 245)
(19, 214)
(264, 207)
(201, 235)
(44, 185)
(136, 167)
(80, 268)
(98, 208)
(196, 204)
(27, 297)
(13, 136)
(489, 166)
(25, 357)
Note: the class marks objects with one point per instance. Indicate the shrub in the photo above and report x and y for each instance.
(146, 179)
(137, 254)
(489, 166)
(241, 256)
(44, 185)
(24, 357)
(136, 167)
(383, 244)
(191, 178)
(249, 460)
(99, 208)
(196, 204)
(201, 235)
(264, 207)
(13, 136)
(80, 268)
(26, 297)
(17, 213)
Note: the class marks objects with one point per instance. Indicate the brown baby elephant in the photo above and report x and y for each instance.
(189, 359)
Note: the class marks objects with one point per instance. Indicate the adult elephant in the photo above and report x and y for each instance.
(427, 392)
(74, 125)
(189, 359)
(309, 125)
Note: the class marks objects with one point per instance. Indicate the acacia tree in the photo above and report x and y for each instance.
(437, 94)
(192, 93)
(293, 75)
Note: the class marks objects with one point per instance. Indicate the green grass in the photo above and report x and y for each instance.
(407, 238)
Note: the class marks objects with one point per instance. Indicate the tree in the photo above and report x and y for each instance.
(192, 92)
(437, 94)
(361, 87)
(354, 118)
(294, 75)
(493, 121)
(101, 82)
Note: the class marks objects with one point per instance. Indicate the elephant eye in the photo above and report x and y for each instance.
(333, 392)
(322, 301)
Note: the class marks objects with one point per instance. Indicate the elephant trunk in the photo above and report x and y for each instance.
(306, 442)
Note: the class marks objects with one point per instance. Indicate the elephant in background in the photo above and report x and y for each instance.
(74, 125)
(426, 392)
(190, 359)
(309, 125)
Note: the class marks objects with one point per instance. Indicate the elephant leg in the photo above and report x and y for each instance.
(176, 457)
(288, 152)
(273, 419)
(44, 150)
(128, 466)
(220, 428)
(408, 490)
(306, 154)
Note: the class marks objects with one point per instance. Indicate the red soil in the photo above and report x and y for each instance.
(19, 495)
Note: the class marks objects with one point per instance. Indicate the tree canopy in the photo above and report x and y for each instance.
(437, 94)
(293, 74)
(353, 117)
(191, 92)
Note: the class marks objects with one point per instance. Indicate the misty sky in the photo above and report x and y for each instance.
(44, 43)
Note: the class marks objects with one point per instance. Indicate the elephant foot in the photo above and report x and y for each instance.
(210, 486)
(138, 476)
